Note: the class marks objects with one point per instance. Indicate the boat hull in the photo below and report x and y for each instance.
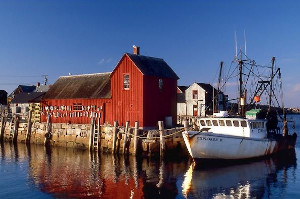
(206, 145)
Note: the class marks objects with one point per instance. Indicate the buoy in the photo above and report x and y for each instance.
(257, 99)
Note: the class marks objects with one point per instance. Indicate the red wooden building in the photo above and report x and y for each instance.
(77, 98)
(140, 88)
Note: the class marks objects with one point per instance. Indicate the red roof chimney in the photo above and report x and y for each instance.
(136, 50)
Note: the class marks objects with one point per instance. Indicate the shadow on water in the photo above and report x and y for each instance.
(70, 173)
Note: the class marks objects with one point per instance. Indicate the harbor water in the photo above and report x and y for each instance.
(38, 172)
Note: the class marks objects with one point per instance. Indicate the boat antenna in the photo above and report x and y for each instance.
(245, 42)
(235, 41)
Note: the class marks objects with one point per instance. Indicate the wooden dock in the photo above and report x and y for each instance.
(95, 137)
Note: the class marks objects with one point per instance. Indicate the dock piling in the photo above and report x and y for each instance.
(115, 132)
(186, 125)
(16, 126)
(162, 139)
(125, 137)
(135, 141)
(2, 128)
(28, 133)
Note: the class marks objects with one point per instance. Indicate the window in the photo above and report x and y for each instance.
(215, 122)
(243, 123)
(77, 107)
(126, 81)
(221, 122)
(236, 123)
(195, 94)
(228, 123)
(160, 84)
(202, 123)
(257, 125)
(208, 122)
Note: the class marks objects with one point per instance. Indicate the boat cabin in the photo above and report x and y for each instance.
(234, 127)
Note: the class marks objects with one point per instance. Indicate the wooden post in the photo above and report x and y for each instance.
(48, 130)
(125, 137)
(28, 133)
(186, 125)
(16, 126)
(114, 136)
(194, 123)
(2, 128)
(91, 142)
(135, 141)
(162, 139)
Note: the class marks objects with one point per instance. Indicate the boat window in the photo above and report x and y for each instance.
(261, 125)
(208, 122)
(215, 122)
(228, 123)
(236, 123)
(202, 123)
(221, 122)
(257, 125)
(243, 123)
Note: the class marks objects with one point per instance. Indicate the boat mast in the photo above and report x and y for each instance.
(219, 84)
(241, 96)
(271, 83)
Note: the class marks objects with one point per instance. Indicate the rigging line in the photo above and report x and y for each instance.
(227, 75)
(255, 75)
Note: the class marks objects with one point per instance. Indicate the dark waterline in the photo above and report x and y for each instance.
(39, 172)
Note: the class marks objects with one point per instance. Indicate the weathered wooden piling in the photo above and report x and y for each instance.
(161, 138)
(194, 123)
(186, 125)
(29, 125)
(114, 141)
(2, 128)
(135, 139)
(15, 132)
(125, 137)
(48, 130)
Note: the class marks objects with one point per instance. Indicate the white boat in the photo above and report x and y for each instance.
(234, 138)
(254, 134)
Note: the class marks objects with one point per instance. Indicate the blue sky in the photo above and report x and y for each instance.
(58, 37)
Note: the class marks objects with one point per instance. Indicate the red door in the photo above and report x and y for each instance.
(195, 110)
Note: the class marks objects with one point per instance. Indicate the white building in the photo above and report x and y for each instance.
(198, 100)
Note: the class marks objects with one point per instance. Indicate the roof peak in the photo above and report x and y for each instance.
(92, 74)
(144, 56)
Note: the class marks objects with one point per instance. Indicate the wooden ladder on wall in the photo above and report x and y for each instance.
(96, 137)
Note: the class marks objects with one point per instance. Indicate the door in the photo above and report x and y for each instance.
(195, 110)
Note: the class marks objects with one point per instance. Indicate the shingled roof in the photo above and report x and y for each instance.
(207, 87)
(152, 66)
(87, 86)
(22, 98)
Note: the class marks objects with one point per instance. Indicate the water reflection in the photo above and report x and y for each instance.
(256, 179)
(69, 173)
